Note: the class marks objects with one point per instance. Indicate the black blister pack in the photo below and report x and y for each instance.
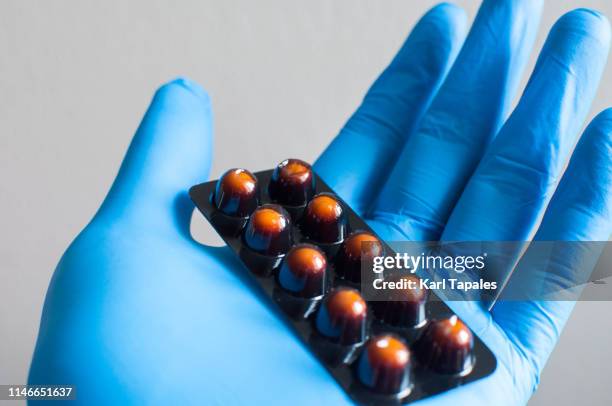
(375, 356)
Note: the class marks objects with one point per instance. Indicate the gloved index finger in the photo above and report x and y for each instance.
(358, 159)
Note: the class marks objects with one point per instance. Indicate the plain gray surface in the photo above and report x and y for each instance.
(76, 76)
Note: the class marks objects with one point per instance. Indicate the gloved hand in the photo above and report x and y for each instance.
(138, 312)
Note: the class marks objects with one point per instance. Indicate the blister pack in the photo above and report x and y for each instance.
(305, 248)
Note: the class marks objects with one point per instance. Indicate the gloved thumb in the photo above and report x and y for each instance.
(170, 152)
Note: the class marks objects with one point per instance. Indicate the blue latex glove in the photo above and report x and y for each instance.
(138, 312)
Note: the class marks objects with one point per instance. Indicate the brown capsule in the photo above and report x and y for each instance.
(342, 317)
(303, 271)
(236, 193)
(405, 303)
(268, 230)
(446, 346)
(384, 365)
(325, 220)
(292, 183)
(359, 246)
